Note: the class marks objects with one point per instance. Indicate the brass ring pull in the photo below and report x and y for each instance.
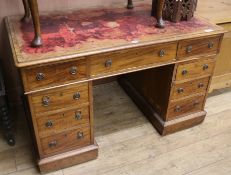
(76, 96)
(40, 76)
(210, 45)
(200, 85)
(78, 115)
(189, 49)
(162, 53)
(177, 109)
(53, 144)
(184, 72)
(49, 124)
(180, 90)
(205, 66)
(73, 70)
(108, 63)
(46, 101)
(80, 135)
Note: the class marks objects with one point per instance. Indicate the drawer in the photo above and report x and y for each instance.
(132, 58)
(186, 106)
(52, 124)
(198, 46)
(195, 69)
(189, 88)
(51, 75)
(58, 98)
(65, 141)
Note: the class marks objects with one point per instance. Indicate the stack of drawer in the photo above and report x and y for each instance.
(191, 80)
(60, 108)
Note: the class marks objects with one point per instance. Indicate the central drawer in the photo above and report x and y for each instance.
(58, 98)
(121, 61)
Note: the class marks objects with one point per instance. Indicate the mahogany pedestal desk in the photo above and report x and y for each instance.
(166, 72)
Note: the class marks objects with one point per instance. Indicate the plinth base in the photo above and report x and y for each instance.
(68, 159)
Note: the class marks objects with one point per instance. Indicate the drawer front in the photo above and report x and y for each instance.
(128, 59)
(51, 75)
(189, 88)
(185, 106)
(65, 141)
(56, 123)
(198, 46)
(59, 98)
(195, 69)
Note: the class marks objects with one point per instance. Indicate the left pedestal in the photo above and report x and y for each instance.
(62, 122)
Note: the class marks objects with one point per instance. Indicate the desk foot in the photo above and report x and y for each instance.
(68, 159)
(163, 127)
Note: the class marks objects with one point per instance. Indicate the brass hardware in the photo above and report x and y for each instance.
(161, 53)
(49, 124)
(46, 101)
(196, 103)
(76, 96)
(205, 66)
(177, 109)
(40, 76)
(184, 72)
(73, 70)
(189, 49)
(180, 90)
(210, 45)
(108, 63)
(80, 135)
(200, 85)
(52, 144)
(78, 115)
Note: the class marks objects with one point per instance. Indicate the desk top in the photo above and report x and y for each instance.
(91, 31)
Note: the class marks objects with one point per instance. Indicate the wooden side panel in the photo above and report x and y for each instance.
(154, 85)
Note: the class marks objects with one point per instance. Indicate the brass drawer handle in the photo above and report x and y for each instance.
(184, 72)
(162, 53)
(196, 103)
(108, 63)
(73, 70)
(80, 135)
(205, 66)
(49, 124)
(53, 144)
(189, 49)
(46, 101)
(76, 96)
(210, 45)
(40, 76)
(200, 85)
(78, 115)
(180, 90)
(177, 109)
